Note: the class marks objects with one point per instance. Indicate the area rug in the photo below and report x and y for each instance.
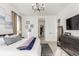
(46, 50)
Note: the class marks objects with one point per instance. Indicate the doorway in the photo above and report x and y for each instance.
(41, 28)
(60, 33)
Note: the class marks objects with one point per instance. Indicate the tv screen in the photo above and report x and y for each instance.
(72, 23)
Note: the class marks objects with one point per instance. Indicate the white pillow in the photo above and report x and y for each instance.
(11, 36)
(2, 42)
(6, 35)
(75, 34)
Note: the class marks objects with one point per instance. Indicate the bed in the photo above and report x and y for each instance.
(12, 51)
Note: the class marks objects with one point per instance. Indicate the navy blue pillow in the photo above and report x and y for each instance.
(29, 47)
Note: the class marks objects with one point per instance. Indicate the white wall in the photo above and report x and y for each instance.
(69, 11)
(50, 27)
(5, 10)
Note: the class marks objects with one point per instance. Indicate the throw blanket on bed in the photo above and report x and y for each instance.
(29, 47)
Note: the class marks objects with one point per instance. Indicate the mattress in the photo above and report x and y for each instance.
(12, 51)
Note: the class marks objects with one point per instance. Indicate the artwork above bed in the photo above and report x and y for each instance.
(5, 22)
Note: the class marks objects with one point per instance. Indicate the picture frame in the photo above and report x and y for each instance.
(27, 22)
(31, 25)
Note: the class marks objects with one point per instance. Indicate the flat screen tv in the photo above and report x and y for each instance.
(72, 23)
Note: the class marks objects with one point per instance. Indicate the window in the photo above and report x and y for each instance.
(17, 25)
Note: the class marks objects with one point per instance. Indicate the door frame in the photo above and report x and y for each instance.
(40, 20)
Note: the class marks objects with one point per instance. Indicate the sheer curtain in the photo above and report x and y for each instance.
(18, 25)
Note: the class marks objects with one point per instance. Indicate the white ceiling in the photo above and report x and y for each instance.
(50, 8)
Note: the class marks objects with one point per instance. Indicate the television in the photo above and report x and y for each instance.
(72, 23)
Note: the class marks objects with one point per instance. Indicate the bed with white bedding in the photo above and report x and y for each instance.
(11, 50)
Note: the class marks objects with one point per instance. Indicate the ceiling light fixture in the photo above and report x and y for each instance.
(38, 7)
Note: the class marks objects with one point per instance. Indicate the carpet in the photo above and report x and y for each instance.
(46, 50)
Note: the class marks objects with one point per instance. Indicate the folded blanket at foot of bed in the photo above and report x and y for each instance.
(29, 47)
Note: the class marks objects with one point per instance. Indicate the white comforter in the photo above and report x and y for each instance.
(12, 51)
